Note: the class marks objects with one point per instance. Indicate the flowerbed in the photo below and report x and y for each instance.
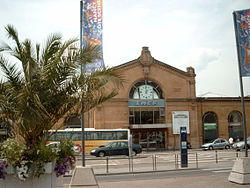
(30, 162)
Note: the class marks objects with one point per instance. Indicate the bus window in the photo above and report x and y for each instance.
(62, 136)
(107, 135)
(122, 135)
(76, 136)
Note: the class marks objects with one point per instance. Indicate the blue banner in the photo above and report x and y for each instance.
(242, 30)
(91, 31)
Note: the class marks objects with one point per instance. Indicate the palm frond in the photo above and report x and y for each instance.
(5, 47)
(50, 85)
(51, 47)
(11, 73)
(13, 34)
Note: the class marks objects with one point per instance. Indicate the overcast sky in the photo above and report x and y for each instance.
(181, 33)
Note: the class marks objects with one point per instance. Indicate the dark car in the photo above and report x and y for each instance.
(116, 148)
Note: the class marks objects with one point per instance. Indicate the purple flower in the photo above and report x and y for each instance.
(64, 165)
(2, 170)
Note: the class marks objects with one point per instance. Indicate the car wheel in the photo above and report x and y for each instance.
(227, 147)
(134, 153)
(210, 148)
(247, 147)
(101, 154)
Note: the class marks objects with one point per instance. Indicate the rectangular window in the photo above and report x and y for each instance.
(77, 136)
(107, 135)
(147, 115)
(137, 116)
(131, 116)
(156, 117)
(122, 135)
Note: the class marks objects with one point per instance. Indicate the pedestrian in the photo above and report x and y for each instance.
(231, 141)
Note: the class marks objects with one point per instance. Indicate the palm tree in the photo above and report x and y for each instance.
(43, 85)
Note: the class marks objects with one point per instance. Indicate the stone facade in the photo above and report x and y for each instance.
(178, 90)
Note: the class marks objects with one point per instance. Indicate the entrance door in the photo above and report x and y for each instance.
(149, 139)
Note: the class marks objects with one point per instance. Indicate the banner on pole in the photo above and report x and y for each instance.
(91, 23)
(242, 30)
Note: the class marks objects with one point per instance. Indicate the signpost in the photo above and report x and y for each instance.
(183, 147)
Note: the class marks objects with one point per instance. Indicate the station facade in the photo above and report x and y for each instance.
(157, 99)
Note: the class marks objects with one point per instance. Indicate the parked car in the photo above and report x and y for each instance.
(55, 146)
(241, 145)
(116, 148)
(219, 143)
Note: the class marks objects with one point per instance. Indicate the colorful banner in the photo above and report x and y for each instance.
(242, 30)
(91, 23)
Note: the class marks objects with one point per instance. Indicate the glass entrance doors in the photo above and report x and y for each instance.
(149, 139)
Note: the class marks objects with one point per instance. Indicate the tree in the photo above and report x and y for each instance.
(43, 85)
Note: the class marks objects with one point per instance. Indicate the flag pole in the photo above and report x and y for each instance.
(243, 121)
(82, 113)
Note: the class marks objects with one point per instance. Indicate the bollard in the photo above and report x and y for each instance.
(107, 165)
(176, 160)
(129, 165)
(132, 166)
(155, 163)
(196, 157)
(216, 156)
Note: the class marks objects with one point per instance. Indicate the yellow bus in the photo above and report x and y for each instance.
(94, 138)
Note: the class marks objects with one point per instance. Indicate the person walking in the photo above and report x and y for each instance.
(231, 141)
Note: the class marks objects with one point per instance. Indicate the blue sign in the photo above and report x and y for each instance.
(146, 103)
(183, 146)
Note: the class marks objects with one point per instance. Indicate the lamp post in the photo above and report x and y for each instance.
(83, 140)
(241, 85)
(82, 113)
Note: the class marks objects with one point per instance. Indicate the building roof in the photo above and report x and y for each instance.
(146, 60)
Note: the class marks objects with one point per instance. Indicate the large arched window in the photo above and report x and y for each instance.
(146, 105)
(235, 128)
(73, 121)
(210, 126)
(146, 89)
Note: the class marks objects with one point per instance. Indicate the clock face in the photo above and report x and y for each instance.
(146, 92)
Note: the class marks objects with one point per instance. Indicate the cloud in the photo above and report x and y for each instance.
(200, 58)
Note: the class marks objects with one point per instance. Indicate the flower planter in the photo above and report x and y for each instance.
(46, 180)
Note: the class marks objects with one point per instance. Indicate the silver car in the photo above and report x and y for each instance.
(241, 145)
(219, 143)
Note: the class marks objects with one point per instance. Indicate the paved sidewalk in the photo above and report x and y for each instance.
(213, 181)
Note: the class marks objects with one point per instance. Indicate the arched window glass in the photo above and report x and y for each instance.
(235, 126)
(145, 89)
(73, 121)
(210, 126)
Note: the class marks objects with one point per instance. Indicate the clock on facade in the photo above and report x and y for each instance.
(146, 92)
(145, 89)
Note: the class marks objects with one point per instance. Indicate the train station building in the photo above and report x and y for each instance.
(157, 99)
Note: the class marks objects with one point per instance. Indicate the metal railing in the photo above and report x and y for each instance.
(156, 162)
